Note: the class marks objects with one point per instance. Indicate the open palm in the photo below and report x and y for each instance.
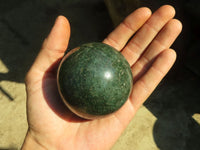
(53, 126)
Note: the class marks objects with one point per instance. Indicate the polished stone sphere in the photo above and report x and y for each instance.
(94, 80)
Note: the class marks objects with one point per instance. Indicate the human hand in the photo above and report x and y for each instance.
(53, 126)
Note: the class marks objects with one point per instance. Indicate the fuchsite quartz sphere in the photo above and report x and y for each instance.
(94, 80)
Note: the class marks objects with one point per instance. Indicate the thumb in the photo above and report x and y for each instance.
(54, 45)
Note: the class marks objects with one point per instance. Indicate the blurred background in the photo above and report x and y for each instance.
(169, 120)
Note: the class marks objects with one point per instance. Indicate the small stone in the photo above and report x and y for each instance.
(94, 80)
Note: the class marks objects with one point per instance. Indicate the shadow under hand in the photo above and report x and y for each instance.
(52, 97)
(174, 103)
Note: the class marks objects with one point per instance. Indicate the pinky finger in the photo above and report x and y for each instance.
(145, 85)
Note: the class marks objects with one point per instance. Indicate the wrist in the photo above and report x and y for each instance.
(31, 143)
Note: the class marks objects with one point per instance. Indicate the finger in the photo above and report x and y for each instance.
(54, 45)
(145, 86)
(149, 81)
(119, 37)
(162, 41)
(147, 33)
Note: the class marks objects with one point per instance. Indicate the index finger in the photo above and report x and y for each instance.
(122, 33)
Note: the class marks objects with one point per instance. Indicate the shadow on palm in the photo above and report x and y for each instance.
(52, 97)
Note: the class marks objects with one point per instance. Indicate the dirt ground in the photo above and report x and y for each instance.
(169, 120)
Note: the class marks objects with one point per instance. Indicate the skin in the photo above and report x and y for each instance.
(52, 126)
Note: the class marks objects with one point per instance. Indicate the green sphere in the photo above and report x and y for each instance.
(94, 80)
